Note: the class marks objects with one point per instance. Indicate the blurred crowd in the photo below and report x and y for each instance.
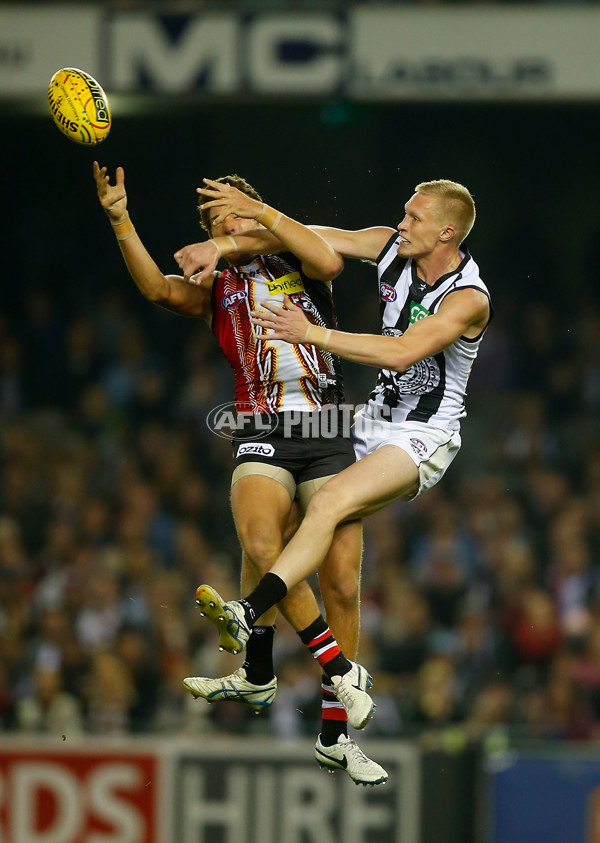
(480, 600)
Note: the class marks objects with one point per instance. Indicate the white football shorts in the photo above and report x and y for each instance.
(432, 449)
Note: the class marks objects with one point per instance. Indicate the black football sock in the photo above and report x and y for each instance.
(259, 655)
(325, 649)
(334, 720)
(270, 590)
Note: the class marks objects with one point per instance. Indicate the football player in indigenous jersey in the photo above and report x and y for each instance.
(435, 309)
(291, 440)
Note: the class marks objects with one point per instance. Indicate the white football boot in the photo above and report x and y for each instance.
(233, 688)
(346, 755)
(351, 691)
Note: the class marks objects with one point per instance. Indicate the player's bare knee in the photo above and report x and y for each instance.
(261, 547)
(326, 505)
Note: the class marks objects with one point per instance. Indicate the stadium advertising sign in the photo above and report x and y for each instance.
(551, 795)
(463, 53)
(227, 54)
(270, 792)
(63, 796)
(209, 790)
(366, 52)
(35, 40)
(362, 51)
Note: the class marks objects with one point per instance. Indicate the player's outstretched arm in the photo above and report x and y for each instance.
(319, 259)
(171, 292)
(202, 258)
(464, 312)
(365, 243)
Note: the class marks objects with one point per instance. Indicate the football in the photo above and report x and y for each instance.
(79, 106)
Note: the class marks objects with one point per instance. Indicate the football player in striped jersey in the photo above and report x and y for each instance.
(280, 393)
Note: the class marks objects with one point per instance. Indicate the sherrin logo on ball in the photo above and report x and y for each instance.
(79, 106)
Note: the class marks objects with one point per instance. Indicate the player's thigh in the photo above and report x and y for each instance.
(383, 476)
(261, 505)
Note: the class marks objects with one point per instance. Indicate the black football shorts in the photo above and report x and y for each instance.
(307, 444)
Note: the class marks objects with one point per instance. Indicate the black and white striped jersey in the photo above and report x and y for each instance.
(432, 390)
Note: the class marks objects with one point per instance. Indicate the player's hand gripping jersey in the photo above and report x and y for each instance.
(272, 377)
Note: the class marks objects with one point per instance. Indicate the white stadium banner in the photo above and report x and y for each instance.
(374, 52)
(203, 55)
(319, 68)
(36, 41)
(477, 52)
(257, 791)
(226, 54)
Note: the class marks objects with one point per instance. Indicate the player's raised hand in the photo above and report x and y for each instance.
(228, 200)
(197, 259)
(113, 197)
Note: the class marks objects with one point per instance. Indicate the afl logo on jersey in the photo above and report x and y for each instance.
(387, 292)
(233, 299)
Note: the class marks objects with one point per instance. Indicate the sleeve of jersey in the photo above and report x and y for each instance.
(293, 261)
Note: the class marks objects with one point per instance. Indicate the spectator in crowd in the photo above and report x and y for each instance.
(48, 709)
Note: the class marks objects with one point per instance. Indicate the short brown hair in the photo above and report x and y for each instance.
(458, 203)
(235, 181)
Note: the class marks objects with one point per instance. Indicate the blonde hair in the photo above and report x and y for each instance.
(458, 203)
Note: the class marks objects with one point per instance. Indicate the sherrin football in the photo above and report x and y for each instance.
(79, 106)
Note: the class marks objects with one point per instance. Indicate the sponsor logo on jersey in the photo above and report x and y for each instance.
(417, 311)
(387, 292)
(324, 380)
(287, 284)
(232, 300)
(260, 450)
(391, 332)
(418, 446)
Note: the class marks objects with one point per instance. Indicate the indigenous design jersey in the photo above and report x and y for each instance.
(432, 390)
(271, 377)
